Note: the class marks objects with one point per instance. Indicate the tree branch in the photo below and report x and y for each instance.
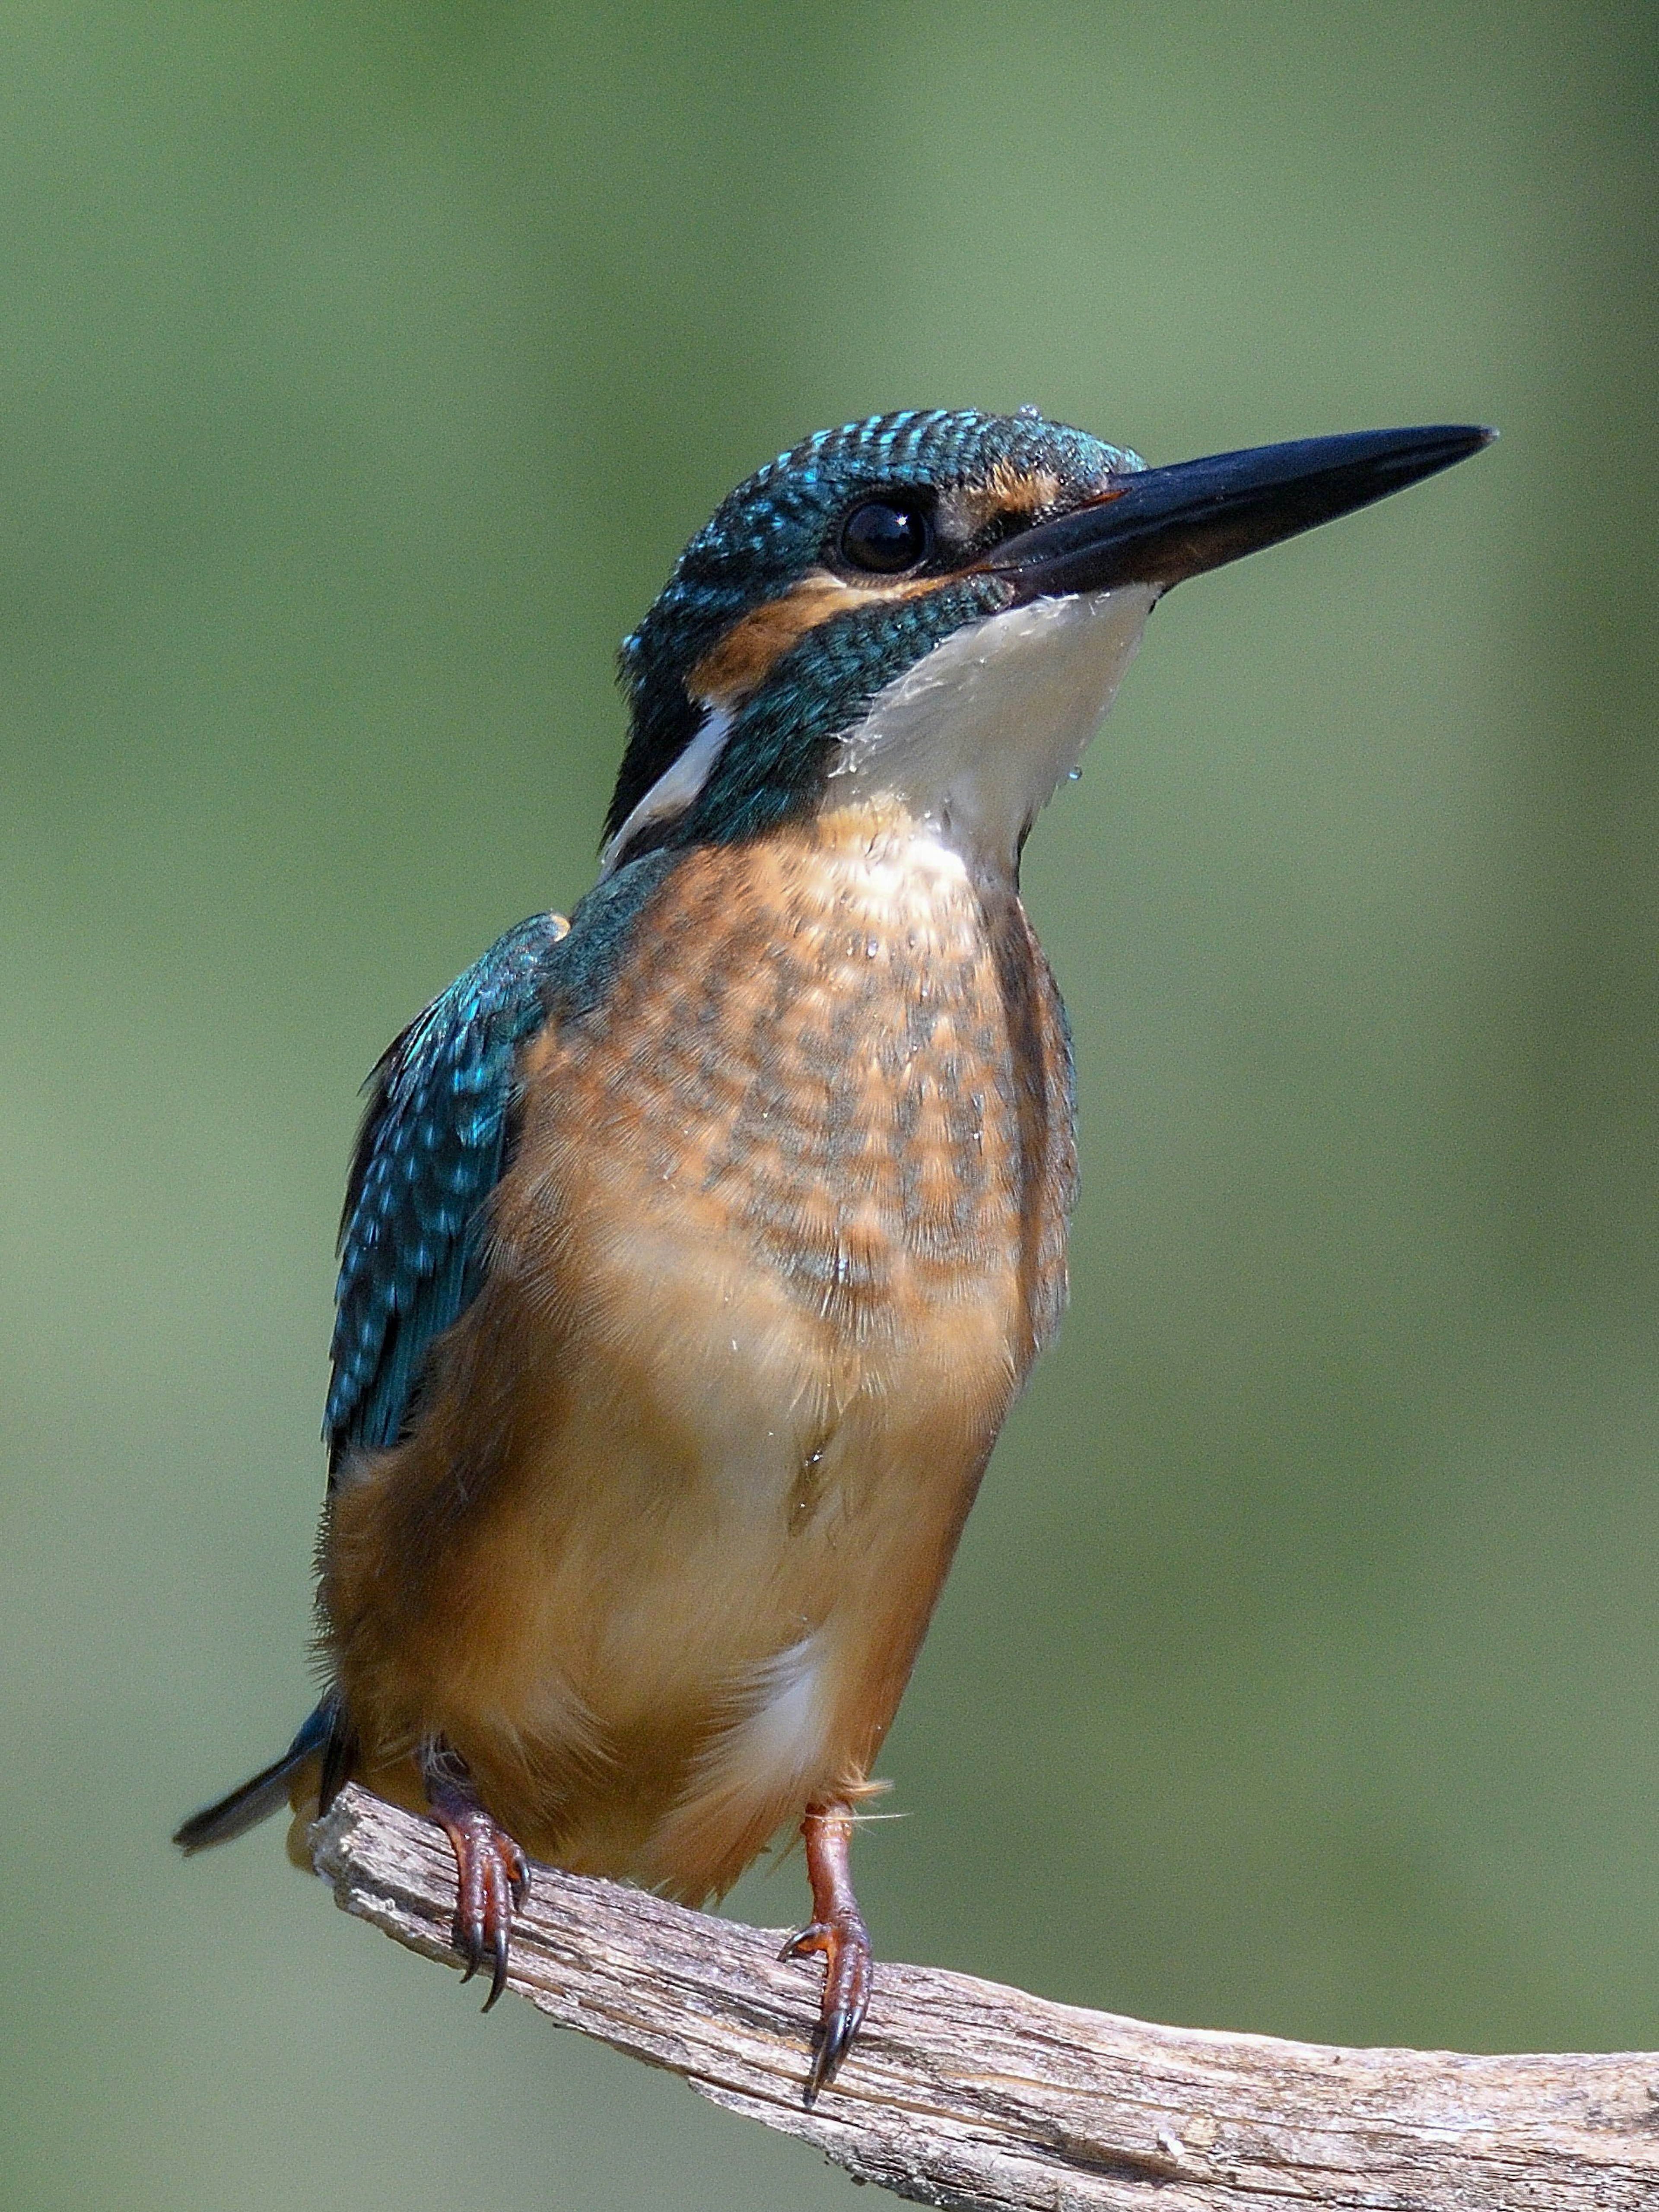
(963, 2094)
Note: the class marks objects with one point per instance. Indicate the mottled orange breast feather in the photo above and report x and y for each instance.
(783, 1230)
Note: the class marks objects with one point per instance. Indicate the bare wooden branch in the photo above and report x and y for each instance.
(963, 2094)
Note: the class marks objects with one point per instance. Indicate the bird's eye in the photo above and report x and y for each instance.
(885, 535)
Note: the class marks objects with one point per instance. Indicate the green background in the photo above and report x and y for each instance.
(362, 370)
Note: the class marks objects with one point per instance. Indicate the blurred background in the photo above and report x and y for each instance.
(363, 368)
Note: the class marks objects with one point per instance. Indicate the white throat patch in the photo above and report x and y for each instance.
(974, 738)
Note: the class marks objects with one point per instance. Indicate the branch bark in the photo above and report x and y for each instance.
(963, 2094)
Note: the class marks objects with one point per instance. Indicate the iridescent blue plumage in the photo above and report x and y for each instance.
(430, 1152)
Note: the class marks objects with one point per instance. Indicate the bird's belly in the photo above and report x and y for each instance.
(703, 1589)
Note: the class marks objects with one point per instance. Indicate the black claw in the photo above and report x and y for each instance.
(498, 1978)
(837, 2028)
(830, 2047)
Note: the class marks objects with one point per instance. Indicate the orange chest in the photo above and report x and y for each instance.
(832, 1058)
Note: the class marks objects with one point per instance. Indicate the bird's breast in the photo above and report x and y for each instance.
(833, 1067)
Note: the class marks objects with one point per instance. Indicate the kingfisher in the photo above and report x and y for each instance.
(694, 1248)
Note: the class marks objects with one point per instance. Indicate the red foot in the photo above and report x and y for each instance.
(838, 1936)
(491, 1875)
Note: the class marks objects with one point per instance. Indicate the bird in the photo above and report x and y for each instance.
(695, 1248)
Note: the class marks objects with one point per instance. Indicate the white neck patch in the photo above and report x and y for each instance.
(973, 739)
(677, 788)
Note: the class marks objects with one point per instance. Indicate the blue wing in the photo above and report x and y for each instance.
(432, 1149)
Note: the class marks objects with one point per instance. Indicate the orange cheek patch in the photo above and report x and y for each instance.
(756, 641)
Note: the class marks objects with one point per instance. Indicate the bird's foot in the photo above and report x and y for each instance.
(848, 1969)
(838, 1936)
(492, 1875)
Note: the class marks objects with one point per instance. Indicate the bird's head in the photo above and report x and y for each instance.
(935, 609)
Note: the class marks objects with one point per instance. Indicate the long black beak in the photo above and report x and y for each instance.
(1160, 525)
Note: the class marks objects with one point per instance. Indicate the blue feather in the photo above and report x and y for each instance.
(434, 1143)
(430, 1153)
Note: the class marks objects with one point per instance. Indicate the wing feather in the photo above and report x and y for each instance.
(433, 1141)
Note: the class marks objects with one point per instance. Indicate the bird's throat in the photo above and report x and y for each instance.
(973, 739)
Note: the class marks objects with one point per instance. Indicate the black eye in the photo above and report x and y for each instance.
(885, 535)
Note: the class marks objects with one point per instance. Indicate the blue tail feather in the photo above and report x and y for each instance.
(266, 1793)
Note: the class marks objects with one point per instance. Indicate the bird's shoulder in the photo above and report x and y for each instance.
(436, 1135)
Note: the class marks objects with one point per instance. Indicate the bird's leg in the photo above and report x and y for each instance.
(838, 1935)
(491, 1875)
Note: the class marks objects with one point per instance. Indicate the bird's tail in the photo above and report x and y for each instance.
(321, 1737)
